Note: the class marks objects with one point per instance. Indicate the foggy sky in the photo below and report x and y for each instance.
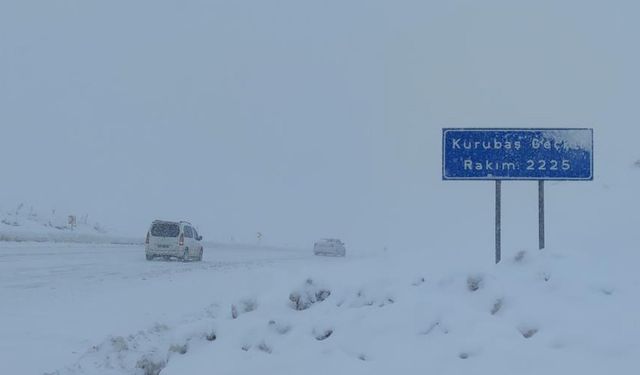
(304, 119)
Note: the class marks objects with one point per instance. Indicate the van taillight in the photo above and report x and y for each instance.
(147, 240)
(181, 240)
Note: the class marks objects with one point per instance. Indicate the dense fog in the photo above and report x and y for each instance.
(303, 119)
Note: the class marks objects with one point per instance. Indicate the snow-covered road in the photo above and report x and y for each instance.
(57, 300)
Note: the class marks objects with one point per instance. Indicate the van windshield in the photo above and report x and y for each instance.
(165, 230)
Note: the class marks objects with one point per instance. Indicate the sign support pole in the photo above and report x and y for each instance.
(517, 154)
(498, 220)
(541, 214)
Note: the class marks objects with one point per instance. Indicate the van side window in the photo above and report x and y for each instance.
(188, 232)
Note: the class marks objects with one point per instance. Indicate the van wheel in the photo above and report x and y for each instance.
(200, 256)
(149, 256)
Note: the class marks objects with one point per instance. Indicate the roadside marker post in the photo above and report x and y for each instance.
(534, 154)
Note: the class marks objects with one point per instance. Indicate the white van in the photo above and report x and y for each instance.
(169, 239)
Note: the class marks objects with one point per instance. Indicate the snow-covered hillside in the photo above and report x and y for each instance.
(24, 223)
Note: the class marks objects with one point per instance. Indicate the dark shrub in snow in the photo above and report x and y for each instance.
(497, 306)
(180, 349)
(281, 329)
(263, 347)
(474, 283)
(150, 367)
(323, 334)
(245, 306)
(308, 295)
(435, 326)
(528, 333)
(520, 257)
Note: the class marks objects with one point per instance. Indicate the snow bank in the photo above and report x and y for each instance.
(556, 311)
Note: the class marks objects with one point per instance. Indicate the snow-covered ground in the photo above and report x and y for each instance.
(28, 224)
(59, 300)
(282, 122)
(97, 309)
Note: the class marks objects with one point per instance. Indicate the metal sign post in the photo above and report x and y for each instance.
(541, 214)
(498, 221)
(517, 154)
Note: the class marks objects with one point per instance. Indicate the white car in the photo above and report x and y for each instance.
(330, 247)
(169, 239)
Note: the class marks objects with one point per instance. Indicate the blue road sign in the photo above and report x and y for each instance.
(517, 154)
